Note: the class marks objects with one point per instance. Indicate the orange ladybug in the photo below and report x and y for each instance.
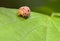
(24, 11)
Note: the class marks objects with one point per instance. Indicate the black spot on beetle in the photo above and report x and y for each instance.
(25, 13)
(28, 10)
(23, 8)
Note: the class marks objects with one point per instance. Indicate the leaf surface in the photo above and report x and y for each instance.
(38, 27)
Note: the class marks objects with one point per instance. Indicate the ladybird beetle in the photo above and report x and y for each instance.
(24, 11)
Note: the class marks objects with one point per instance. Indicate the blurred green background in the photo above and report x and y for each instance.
(41, 6)
(18, 3)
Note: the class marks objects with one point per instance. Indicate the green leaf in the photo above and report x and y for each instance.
(38, 27)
